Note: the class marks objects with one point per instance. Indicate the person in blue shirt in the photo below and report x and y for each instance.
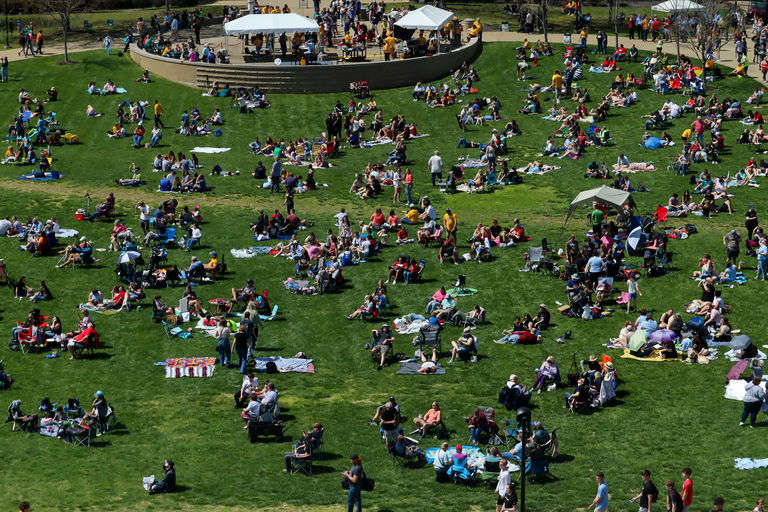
(600, 503)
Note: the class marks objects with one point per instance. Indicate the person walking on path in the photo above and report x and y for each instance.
(354, 476)
(687, 489)
(435, 165)
(39, 41)
(600, 503)
(753, 401)
(108, 44)
(648, 495)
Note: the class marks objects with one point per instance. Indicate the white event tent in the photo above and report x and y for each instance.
(678, 6)
(425, 18)
(270, 24)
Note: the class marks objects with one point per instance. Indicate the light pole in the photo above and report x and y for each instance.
(524, 419)
(7, 28)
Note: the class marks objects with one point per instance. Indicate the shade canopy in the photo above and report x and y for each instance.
(425, 18)
(610, 196)
(678, 6)
(270, 24)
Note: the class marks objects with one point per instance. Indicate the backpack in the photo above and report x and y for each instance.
(271, 367)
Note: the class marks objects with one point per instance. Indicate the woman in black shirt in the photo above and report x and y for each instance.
(240, 345)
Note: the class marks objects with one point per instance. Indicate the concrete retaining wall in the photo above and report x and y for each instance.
(308, 79)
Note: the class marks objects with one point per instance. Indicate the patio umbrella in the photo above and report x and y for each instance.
(637, 341)
(697, 328)
(128, 257)
(737, 370)
(636, 240)
(740, 342)
(663, 335)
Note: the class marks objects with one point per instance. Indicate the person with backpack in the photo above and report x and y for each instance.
(648, 495)
(354, 477)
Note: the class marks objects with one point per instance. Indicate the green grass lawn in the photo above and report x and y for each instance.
(657, 423)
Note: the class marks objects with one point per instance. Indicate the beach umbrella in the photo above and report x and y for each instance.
(637, 341)
(697, 328)
(698, 70)
(663, 335)
(636, 240)
(128, 257)
(737, 370)
(740, 342)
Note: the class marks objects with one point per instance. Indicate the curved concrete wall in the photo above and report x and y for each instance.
(308, 79)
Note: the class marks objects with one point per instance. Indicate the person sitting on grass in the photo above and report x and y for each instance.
(367, 308)
(168, 483)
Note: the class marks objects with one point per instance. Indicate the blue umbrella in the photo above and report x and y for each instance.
(653, 143)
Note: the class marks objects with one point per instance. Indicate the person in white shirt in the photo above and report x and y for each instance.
(442, 463)
(194, 237)
(501, 485)
(144, 213)
(435, 166)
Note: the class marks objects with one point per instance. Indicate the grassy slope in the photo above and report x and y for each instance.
(672, 415)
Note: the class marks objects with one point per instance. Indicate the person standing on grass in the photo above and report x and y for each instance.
(435, 166)
(732, 242)
(158, 114)
(687, 489)
(648, 495)
(354, 476)
(674, 500)
(501, 485)
(600, 503)
(397, 182)
(634, 290)
(753, 401)
(408, 180)
(4, 69)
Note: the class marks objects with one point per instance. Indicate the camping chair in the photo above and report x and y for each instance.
(172, 332)
(84, 436)
(429, 336)
(302, 464)
(170, 236)
(665, 261)
(491, 427)
(412, 453)
(436, 237)
(534, 258)
(579, 405)
(661, 215)
(73, 409)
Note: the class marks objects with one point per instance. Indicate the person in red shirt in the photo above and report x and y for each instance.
(687, 489)
(378, 218)
(397, 269)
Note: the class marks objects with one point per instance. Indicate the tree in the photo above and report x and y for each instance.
(62, 11)
(704, 32)
(544, 6)
(613, 17)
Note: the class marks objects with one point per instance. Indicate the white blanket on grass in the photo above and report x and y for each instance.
(285, 364)
(207, 149)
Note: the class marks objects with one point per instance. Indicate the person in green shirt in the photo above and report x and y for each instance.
(597, 220)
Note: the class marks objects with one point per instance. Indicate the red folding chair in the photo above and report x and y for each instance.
(661, 214)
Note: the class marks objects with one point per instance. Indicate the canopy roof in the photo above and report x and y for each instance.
(678, 6)
(425, 18)
(270, 24)
(610, 196)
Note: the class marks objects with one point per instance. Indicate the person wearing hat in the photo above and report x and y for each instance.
(168, 483)
(589, 367)
(450, 223)
(354, 476)
(303, 449)
(411, 216)
(213, 265)
(572, 287)
(467, 343)
(382, 340)
(100, 411)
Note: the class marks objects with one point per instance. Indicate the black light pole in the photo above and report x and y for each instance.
(524, 419)
(7, 27)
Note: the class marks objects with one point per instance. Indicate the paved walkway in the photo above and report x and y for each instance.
(211, 34)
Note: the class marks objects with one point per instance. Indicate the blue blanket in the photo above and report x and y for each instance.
(47, 178)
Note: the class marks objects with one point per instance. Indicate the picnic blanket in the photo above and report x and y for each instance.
(747, 463)
(209, 150)
(731, 355)
(67, 233)
(461, 292)
(631, 170)
(654, 357)
(412, 368)
(249, 252)
(105, 312)
(189, 367)
(472, 163)
(48, 177)
(735, 390)
(475, 457)
(409, 324)
(543, 169)
(285, 364)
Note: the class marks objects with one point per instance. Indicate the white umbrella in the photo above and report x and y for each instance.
(128, 257)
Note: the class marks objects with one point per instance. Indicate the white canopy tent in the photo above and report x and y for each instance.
(270, 24)
(610, 196)
(678, 6)
(425, 18)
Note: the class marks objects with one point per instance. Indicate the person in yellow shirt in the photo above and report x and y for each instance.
(348, 39)
(477, 28)
(275, 10)
(389, 47)
(265, 9)
(412, 217)
(450, 223)
(557, 84)
(213, 265)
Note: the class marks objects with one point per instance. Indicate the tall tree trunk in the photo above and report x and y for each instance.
(544, 16)
(65, 28)
(616, 24)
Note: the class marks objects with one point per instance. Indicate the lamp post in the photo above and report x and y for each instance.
(7, 27)
(524, 419)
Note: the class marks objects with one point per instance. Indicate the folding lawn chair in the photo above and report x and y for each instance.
(429, 336)
(172, 332)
